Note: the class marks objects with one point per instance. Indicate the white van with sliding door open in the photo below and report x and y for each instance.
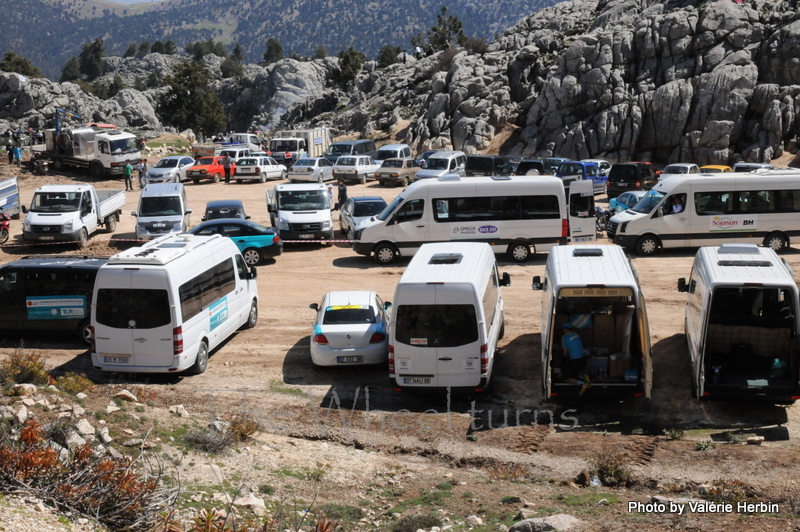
(742, 324)
(164, 306)
(515, 215)
(447, 318)
(594, 290)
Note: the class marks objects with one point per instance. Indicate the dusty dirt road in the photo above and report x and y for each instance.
(269, 368)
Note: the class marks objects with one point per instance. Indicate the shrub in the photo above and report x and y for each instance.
(705, 445)
(241, 427)
(210, 441)
(21, 367)
(412, 523)
(72, 383)
(611, 467)
(673, 434)
(340, 512)
(477, 45)
(729, 490)
(266, 489)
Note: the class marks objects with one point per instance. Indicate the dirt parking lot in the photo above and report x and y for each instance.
(269, 368)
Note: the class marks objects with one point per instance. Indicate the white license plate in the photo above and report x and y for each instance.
(47, 238)
(582, 239)
(350, 360)
(416, 380)
(306, 237)
(115, 360)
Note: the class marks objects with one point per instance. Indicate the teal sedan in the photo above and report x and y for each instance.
(254, 241)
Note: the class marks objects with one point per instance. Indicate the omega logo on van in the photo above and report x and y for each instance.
(487, 229)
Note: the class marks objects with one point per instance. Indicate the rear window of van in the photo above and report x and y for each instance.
(436, 325)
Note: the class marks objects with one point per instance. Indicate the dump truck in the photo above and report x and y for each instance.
(289, 145)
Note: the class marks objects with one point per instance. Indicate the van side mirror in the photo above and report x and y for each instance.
(24, 209)
(253, 272)
(246, 216)
(682, 285)
(314, 306)
(188, 211)
(133, 213)
(387, 305)
(505, 279)
(537, 283)
(270, 208)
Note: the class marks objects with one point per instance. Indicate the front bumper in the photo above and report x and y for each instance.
(291, 234)
(33, 236)
(362, 248)
(626, 241)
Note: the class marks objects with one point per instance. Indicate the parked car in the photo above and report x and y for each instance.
(317, 169)
(750, 167)
(604, 165)
(396, 172)
(224, 209)
(715, 169)
(680, 169)
(357, 209)
(625, 201)
(442, 163)
(583, 171)
(393, 151)
(552, 163)
(488, 165)
(350, 147)
(208, 168)
(531, 167)
(170, 169)
(355, 168)
(261, 168)
(350, 328)
(630, 176)
(255, 242)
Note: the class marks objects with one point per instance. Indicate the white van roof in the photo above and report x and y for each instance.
(164, 250)
(301, 186)
(448, 262)
(579, 266)
(485, 185)
(769, 179)
(162, 189)
(744, 263)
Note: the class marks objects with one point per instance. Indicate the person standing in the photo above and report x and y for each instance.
(226, 165)
(10, 151)
(18, 156)
(342, 194)
(142, 168)
(127, 175)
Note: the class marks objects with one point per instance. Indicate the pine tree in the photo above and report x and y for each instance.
(387, 55)
(157, 48)
(350, 63)
(170, 48)
(143, 49)
(321, 53)
(92, 59)
(448, 30)
(190, 102)
(71, 70)
(274, 51)
(13, 62)
(230, 68)
(238, 53)
(131, 51)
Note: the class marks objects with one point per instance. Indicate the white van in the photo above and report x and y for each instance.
(514, 215)
(759, 208)
(301, 211)
(164, 306)
(447, 318)
(442, 163)
(595, 289)
(742, 324)
(163, 209)
(393, 151)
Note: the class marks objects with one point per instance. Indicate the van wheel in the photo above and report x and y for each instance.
(519, 251)
(83, 239)
(111, 223)
(201, 360)
(85, 331)
(777, 242)
(252, 256)
(252, 318)
(385, 254)
(217, 177)
(648, 245)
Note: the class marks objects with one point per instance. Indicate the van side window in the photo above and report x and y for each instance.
(496, 208)
(452, 164)
(711, 203)
(579, 206)
(206, 288)
(411, 211)
(8, 283)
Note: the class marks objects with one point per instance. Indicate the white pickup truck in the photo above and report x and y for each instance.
(71, 213)
(355, 168)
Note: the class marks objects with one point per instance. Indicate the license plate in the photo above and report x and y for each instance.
(115, 360)
(306, 237)
(416, 380)
(582, 239)
(349, 360)
(47, 238)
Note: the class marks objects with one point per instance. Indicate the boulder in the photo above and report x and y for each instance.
(84, 428)
(125, 395)
(24, 389)
(558, 522)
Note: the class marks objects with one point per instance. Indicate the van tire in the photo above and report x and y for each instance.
(648, 245)
(252, 317)
(777, 242)
(385, 253)
(111, 223)
(251, 256)
(85, 331)
(83, 239)
(201, 360)
(519, 251)
(502, 327)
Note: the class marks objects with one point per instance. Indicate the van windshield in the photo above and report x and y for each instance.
(436, 325)
(648, 202)
(283, 145)
(437, 164)
(339, 149)
(160, 206)
(124, 308)
(305, 200)
(387, 154)
(385, 213)
(56, 201)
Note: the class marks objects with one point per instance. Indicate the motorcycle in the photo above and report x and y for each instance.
(601, 218)
(5, 226)
(37, 167)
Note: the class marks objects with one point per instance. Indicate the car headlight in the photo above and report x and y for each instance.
(623, 227)
(26, 225)
(67, 227)
(141, 229)
(326, 224)
(283, 224)
(177, 228)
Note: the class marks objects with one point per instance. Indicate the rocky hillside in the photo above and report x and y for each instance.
(619, 79)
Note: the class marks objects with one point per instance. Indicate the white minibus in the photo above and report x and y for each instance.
(593, 291)
(164, 306)
(516, 215)
(447, 318)
(702, 210)
(741, 324)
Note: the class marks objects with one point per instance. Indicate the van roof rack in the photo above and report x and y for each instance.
(446, 258)
(587, 252)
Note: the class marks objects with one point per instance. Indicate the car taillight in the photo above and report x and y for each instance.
(638, 184)
(177, 340)
(377, 338)
(376, 174)
(395, 175)
(565, 228)
(276, 239)
(269, 153)
(310, 170)
(320, 339)
(484, 359)
(93, 343)
(258, 170)
(391, 359)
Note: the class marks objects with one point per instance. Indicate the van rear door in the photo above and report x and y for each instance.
(580, 205)
(413, 335)
(647, 350)
(458, 336)
(151, 319)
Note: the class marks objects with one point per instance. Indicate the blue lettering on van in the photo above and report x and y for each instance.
(487, 229)
(55, 307)
(218, 312)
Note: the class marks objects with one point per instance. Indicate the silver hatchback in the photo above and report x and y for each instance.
(170, 169)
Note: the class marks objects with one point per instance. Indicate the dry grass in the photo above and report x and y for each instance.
(25, 367)
(73, 383)
(611, 467)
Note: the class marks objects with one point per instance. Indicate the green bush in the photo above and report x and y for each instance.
(72, 383)
(25, 368)
(611, 467)
(412, 523)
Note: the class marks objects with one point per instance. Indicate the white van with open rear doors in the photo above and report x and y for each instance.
(514, 215)
(447, 318)
(742, 324)
(595, 290)
(164, 306)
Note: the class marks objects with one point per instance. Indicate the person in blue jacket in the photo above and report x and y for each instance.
(573, 353)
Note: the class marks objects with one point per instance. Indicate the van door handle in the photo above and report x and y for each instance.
(421, 225)
(446, 358)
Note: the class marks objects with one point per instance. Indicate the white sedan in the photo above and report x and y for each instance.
(317, 169)
(350, 328)
(261, 168)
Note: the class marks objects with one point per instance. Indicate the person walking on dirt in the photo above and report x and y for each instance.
(142, 168)
(342, 194)
(127, 175)
(226, 165)
(18, 156)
